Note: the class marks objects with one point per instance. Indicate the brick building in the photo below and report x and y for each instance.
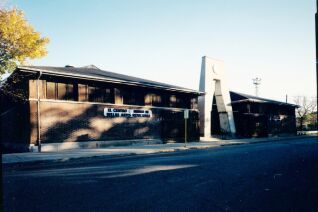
(257, 117)
(59, 106)
(42, 105)
(230, 114)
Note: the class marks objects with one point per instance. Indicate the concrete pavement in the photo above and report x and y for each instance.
(130, 150)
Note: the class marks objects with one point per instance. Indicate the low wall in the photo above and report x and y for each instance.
(55, 147)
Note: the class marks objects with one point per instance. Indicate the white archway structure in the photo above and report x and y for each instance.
(213, 82)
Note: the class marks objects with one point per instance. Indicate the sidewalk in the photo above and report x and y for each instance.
(130, 150)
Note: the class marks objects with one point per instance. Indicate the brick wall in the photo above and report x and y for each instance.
(76, 121)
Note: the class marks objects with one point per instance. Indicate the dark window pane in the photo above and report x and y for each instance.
(82, 92)
(148, 99)
(61, 91)
(156, 100)
(127, 97)
(70, 92)
(65, 91)
(133, 97)
(165, 102)
(109, 96)
(182, 102)
(139, 98)
(173, 101)
(194, 103)
(91, 93)
(153, 99)
(97, 94)
(50, 90)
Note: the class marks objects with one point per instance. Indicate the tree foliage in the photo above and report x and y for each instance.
(306, 107)
(18, 40)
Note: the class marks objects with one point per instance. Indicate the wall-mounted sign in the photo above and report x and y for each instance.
(129, 113)
(186, 114)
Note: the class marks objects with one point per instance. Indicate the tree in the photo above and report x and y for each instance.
(306, 107)
(18, 40)
(311, 119)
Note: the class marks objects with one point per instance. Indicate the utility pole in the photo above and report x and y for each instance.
(256, 82)
(316, 31)
(38, 112)
(186, 117)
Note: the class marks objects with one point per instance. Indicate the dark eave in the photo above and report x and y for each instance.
(256, 99)
(104, 76)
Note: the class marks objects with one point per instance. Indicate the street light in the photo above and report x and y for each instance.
(256, 82)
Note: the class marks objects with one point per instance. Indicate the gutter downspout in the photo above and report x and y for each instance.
(38, 112)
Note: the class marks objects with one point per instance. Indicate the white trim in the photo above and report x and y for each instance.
(111, 104)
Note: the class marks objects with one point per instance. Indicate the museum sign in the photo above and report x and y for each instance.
(129, 113)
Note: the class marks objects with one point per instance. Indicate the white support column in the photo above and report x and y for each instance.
(213, 82)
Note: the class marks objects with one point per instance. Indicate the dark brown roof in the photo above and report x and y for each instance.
(92, 72)
(240, 97)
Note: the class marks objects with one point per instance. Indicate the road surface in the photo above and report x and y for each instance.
(275, 176)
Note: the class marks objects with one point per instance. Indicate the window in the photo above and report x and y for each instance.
(139, 97)
(65, 91)
(82, 92)
(70, 95)
(173, 101)
(99, 94)
(153, 99)
(91, 94)
(133, 97)
(194, 103)
(61, 91)
(108, 95)
(50, 90)
(148, 99)
(156, 100)
(182, 102)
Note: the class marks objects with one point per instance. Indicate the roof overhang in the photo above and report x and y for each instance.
(104, 79)
(263, 102)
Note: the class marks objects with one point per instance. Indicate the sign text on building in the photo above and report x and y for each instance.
(129, 113)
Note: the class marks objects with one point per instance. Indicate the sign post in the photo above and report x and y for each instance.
(186, 117)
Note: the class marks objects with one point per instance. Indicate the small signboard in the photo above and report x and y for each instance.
(129, 113)
(186, 114)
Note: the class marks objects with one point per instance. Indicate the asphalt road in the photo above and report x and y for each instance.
(276, 176)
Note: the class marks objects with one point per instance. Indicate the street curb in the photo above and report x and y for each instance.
(177, 149)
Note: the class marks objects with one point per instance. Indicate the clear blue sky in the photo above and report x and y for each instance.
(164, 40)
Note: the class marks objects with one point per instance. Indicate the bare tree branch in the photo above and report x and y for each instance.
(306, 107)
